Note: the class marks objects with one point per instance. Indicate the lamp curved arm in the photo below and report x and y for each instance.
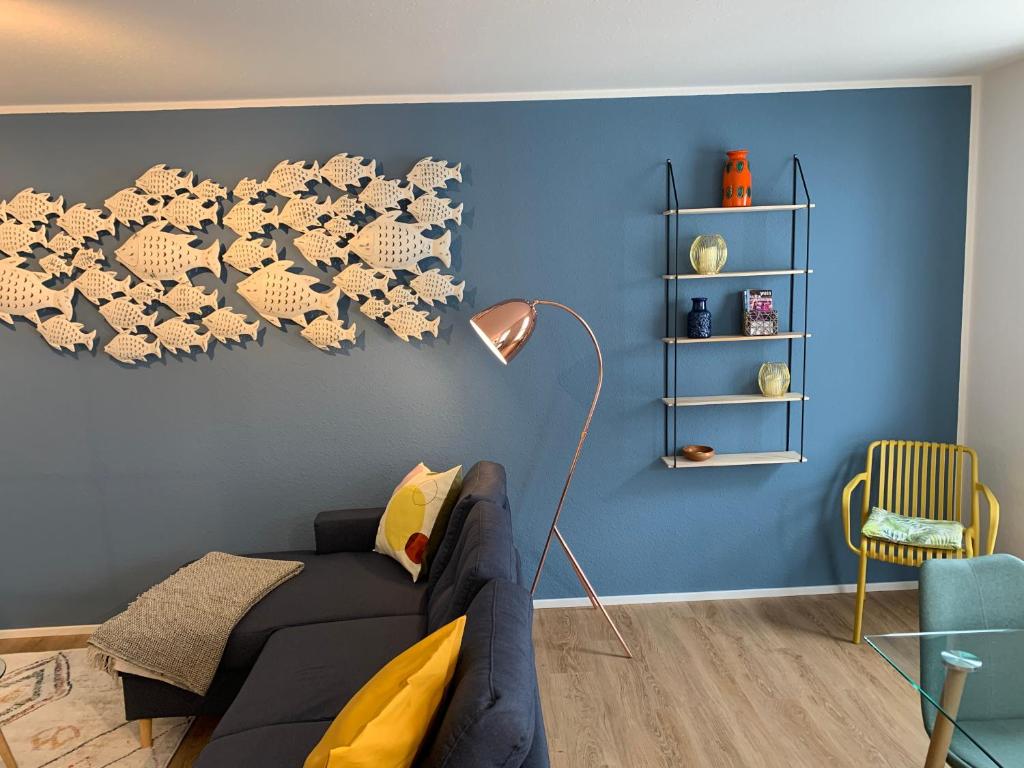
(583, 433)
(847, 493)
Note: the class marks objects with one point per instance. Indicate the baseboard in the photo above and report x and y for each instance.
(728, 594)
(68, 631)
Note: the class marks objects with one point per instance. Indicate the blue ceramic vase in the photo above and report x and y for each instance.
(698, 321)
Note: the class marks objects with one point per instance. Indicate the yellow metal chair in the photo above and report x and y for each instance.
(921, 480)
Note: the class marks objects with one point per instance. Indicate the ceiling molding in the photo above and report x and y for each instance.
(624, 93)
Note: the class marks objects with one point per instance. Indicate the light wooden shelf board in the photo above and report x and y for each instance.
(737, 460)
(754, 273)
(776, 337)
(738, 209)
(789, 397)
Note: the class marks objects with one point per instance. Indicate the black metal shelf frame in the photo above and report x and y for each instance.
(672, 309)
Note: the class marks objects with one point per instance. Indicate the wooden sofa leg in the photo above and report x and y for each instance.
(146, 732)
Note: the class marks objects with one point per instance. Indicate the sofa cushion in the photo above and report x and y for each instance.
(485, 481)
(489, 717)
(484, 551)
(274, 746)
(310, 673)
(334, 587)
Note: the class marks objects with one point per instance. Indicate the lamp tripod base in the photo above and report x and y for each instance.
(584, 581)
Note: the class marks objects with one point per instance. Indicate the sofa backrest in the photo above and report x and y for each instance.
(491, 712)
(485, 481)
(484, 551)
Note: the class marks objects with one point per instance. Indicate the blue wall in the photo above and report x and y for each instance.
(112, 476)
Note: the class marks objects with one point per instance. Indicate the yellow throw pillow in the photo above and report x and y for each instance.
(385, 722)
(404, 530)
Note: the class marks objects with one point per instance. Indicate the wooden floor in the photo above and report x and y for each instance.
(771, 682)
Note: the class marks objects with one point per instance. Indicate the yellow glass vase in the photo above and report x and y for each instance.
(773, 379)
(708, 254)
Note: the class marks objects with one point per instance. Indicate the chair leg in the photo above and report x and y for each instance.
(146, 733)
(862, 577)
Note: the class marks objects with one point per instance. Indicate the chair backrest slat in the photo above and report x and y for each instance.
(922, 479)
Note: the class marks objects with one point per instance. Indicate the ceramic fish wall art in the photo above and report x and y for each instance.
(61, 333)
(429, 174)
(24, 293)
(31, 207)
(434, 285)
(388, 244)
(247, 254)
(324, 333)
(372, 244)
(227, 325)
(277, 294)
(407, 323)
(155, 255)
(132, 348)
(344, 170)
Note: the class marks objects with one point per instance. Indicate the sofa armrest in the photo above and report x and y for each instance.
(347, 530)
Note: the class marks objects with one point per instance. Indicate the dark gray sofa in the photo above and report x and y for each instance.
(295, 660)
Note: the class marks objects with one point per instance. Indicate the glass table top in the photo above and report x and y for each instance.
(990, 721)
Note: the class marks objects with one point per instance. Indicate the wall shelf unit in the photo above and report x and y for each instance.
(797, 332)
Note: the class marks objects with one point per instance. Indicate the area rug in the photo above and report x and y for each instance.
(58, 711)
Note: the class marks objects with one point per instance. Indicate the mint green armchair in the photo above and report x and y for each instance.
(981, 593)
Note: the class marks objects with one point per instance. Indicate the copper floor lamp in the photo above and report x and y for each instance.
(505, 328)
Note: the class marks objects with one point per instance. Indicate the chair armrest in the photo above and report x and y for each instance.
(346, 530)
(847, 493)
(993, 517)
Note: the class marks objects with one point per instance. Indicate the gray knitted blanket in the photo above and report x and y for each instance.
(176, 631)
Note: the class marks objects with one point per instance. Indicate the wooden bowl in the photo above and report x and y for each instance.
(698, 452)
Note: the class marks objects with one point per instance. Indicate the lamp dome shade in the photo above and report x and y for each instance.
(505, 327)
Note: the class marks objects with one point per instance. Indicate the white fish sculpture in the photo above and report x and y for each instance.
(162, 181)
(61, 333)
(4, 211)
(248, 190)
(133, 206)
(289, 178)
(131, 348)
(63, 244)
(318, 247)
(210, 191)
(345, 170)
(24, 293)
(388, 244)
(188, 300)
(31, 207)
(247, 254)
(401, 295)
(383, 194)
(55, 266)
(155, 255)
(98, 284)
(340, 226)
(179, 335)
(123, 314)
(227, 325)
(17, 238)
(375, 308)
(247, 218)
(324, 333)
(435, 211)
(82, 222)
(145, 293)
(434, 285)
(356, 280)
(88, 258)
(188, 213)
(276, 294)
(407, 323)
(347, 205)
(429, 174)
(303, 213)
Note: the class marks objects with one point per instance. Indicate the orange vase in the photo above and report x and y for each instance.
(736, 192)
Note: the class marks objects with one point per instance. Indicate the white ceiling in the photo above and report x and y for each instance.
(64, 52)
